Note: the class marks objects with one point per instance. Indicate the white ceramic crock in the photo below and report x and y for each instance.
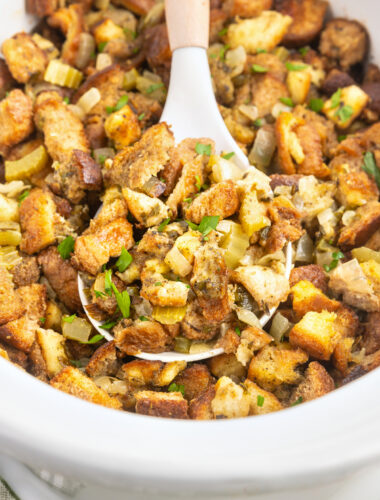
(303, 452)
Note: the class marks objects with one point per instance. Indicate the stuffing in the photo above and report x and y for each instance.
(299, 84)
(123, 127)
(261, 402)
(146, 336)
(71, 22)
(159, 290)
(307, 297)
(169, 373)
(6, 79)
(246, 8)
(24, 57)
(161, 404)
(230, 400)
(273, 64)
(16, 117)
(104, 361)
(371, 335)
(14, 355)
(229, 342)
(19, 333)
(313, 196)
(274, 366)
(226, 365)
(74, 382)
(308, 17)
(336, 80)
(140, 7)
(263, 32)
(316, 383)
(266, 287)
(140, 373)
(52, 346)
(366, 222)
(267, 90)
(342, 356)
(41, 8)
(352, 101)
(286, 224)
(35, 299)
(252, 339)
(196, 379)
(195, 326)
(157, 49)
(148, 211)
(221, 76)
(11, 306)
(200, 407)
(313, 273)
(344, 42)
(26, 272)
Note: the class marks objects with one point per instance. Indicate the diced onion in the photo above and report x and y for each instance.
(199, 347)
(249, 111)
(305, 249)
(103, 61)
(224, 170)
(103, 152)
(130, 79)
(279, 108)
(263, 148)
(13, 189)
(282, 53)
(10, 233)
(348, 217)
(182, 344)
(328, 221)
(235, 244)
(111, 385)
(9, 257)
(62, 74)
(169, 315)
(247, 317)
(364, 254)
(236, 59)
(27, 165)
(280, 326)
(278, 256)
(89, 99)
(358, 356)
(85, 51)
(154, 15)
(79, 329)
(77, 111)
(8, 209)
(177, 262)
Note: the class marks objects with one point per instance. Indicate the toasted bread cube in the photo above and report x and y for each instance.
(195, 379)
(16, 118)
(37, 218)
(252, 339)
(104, 361)
(352, 102)
(146, 336)
(307, 297)
(364, 225)
(246, 8)
(169, 373)
(316, 333)
(316, 383)
(226, 365)
(161, 404)
(4, 354)
(148, 211)
(74, 382)
(52, 345)
(263, 32)
(107, 30)
(53, 317)
(274, 366)
(11, 306)
(15, 355)
(230, 401)
(200, 407)
(26, 272)
(299, 83)
(266, 287)
(342, 355)
(141, 372)
(313, 273)
(261, 402)
(355, 187)
(19, 333)
(123, 127)
(253, 214)
(35, 299)
(24, 57)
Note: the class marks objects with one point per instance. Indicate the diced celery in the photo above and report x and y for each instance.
(27, 165)
(182, 345)
(62, 74)
(169, 315)
(235, 244)
(130, 79)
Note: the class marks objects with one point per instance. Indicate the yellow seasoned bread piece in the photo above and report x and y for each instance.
(345, 105)
(260, 401)
(161, 404)
(24, 57)
(123, 127)
(52, 345)
(307, 297)
(230, 401)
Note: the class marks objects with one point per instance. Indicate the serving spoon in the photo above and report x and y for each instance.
(192, 111)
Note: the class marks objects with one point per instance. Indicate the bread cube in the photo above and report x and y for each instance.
(260, 401)
(161, 404)
(230, 401)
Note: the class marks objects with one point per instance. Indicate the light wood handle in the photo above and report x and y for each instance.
(188, 23)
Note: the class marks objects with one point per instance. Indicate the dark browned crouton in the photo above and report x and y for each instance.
(196, 379)
(313, 273)
(62, 277)
(210, 282)
(286, 224)
(24, 57)
(93, 250)
(161, 404)
(246, 8)
(344, 42)
(148, 110)
(335, 80)
(157, 50)
(134, 166)
(277, 180)
(371, 336)
(80, 174)
(373, 90)
(16, 118)
(74, 382)
(26, 272)
(366, 222)
(41, 8)
(141, 372)
(221, 199)
(226, 365)
(139, 7)
(316, 383)
(104, 361)
(308, 17)
(195, 327)
(37, 218)
(6, 79)
(37, 363)
(63, 131)
(229, 342)
(19, 333)
(15, 355)
(146, 336)
(11, 306)
(200, 407)
(70, 21)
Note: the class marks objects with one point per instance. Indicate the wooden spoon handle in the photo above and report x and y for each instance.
(188, 23)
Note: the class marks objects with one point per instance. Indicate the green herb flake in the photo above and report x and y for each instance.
(124, 260)
(337, 256)
(141, 117)
(66, 100)
(158, 283)
(342, 138)
(237, 331)
(298, 402)
(163, 224)
(94, 340)
(24, 195)
(66, 247)
(222, 52)
(304, 50)
(144, 318)
(76, 362)
(287, 101)
(155, 86)
(121, 102)
(135, 50)
(191, 225)
(108, 325)
(371, 168)
(173, 387)
(295, 67)
(108, 282)
(69, 319)
(42, 320)
(258, 123)
(198, 182)
(102, 46)
(99, 294)
(102, 159)
(316, 105)
(228, 156)
(223, 32)
(260, 400)
(110, 109)
(257, 68)
(344, 113)
(123, 301)
(261, 51)
(335, 99)
(188, 200)
(203, 149)
(208, 224)
(130, 33)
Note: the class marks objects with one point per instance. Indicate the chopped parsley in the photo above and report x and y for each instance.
(371, 168)
(102, 46)
(102, 159)
(42, 320)
(123, 301)
(124, 260)
(173, 387)
(295, 67)
(342, 138)
(158, 283)
(24, 195)
(94, 340)
(297, 402)
(223, 32)
(222, 52)
(203, 149)
(99, 294)
(335, 99)
(316, 105)
(337, 256)
(258, 123)
(260, 400)
(228, 156)
(345, 113)
(66, 247)
(207, 224)
(188, 200)
(141, 117)
(69, 319)
(131, 33)
(257, 68)
(163, 224)
(237, 331)
(144, 318)
(108, 324)
(108, 282)
(154, 87)
(304, 50)
(287, 101)
(66, 100)
(76, 362)
(261, 51)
